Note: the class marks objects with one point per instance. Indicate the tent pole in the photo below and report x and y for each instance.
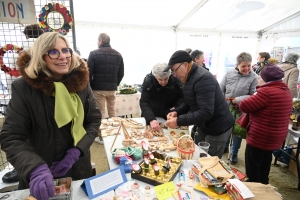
(192, 12)
(280, 22)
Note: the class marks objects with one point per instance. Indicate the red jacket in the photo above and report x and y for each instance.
(270, 109)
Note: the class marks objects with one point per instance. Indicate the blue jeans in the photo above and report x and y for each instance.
(236, 144)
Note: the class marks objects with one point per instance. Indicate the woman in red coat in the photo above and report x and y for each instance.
(269, 110)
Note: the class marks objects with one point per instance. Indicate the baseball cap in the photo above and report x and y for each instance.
(178, 57)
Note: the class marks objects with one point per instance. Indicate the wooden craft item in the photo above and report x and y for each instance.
(150, 133)
(190, 181)
(128, 139)
(176, 193)
(186, 147)
(108, 132)
(137, 134)
(129, 123)
(147, 193)
(115, 138)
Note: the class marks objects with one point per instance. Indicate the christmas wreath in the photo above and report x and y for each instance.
(11, 49)
(60, 8)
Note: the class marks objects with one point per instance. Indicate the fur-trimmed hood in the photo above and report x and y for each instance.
(76, 81)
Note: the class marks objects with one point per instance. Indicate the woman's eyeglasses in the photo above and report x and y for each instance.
(54, 53)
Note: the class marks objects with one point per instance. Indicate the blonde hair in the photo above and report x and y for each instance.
(41, 47)
(273, 61)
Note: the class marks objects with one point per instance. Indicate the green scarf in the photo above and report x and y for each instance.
(68, 107)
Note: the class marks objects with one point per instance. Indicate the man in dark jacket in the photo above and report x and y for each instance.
(161, 92)
(205, 101)
(106, 69)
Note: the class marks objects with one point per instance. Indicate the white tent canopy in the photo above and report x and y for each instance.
(148, 32)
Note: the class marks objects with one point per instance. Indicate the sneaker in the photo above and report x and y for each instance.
(97, 139)
(233, 159)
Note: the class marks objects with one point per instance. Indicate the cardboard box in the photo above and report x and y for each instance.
(292, 164)
(178, 131)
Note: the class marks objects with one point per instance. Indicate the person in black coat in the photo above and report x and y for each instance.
(204, 104)
(160, 93)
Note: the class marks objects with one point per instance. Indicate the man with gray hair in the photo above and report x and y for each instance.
(106, 69)
(161, 93)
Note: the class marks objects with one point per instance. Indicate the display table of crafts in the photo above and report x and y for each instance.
(126, 104)
(108, 141)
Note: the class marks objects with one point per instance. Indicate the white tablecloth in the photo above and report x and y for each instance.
(77, 193)
(127, 104)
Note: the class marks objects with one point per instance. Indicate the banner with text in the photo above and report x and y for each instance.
(17, 11)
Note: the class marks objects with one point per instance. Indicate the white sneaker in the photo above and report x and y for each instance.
(97, 139)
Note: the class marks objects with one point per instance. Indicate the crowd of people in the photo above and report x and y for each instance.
(55, 111)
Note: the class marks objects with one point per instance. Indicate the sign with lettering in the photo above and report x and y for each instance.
(164, 191)
(17, 11)
(104, 182)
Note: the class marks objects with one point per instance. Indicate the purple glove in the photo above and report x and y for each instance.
(41, 183)
(60, 168)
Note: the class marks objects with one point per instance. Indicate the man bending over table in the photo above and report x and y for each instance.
(204, 104)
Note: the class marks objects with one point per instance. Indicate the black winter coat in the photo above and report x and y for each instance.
(106, 68)
(206, 103)
(156, 100)
(30, 136)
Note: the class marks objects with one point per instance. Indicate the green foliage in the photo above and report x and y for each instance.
(127, 89)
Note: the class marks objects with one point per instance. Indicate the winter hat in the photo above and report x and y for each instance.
(178, 57)
(271, 73)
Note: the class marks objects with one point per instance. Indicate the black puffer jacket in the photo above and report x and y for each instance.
(30, 136)
(156, 100)
(106, 68)
(204, 98)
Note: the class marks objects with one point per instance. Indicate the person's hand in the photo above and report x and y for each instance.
(235, 104)
(60, 168)
(41, 183)
(255, 66)
(172, 114)
(155, 125)
(172, 122)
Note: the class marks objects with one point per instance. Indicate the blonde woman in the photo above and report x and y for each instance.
(52, 118)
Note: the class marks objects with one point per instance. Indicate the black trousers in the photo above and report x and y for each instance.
(258, 164)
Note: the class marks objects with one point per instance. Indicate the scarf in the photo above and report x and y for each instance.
(188, 71)
(68, 107)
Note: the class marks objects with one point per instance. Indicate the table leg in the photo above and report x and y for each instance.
(279, 153)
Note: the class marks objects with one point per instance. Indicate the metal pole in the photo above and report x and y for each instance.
(73, 28)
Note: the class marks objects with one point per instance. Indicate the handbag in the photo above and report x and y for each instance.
(243, 120)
